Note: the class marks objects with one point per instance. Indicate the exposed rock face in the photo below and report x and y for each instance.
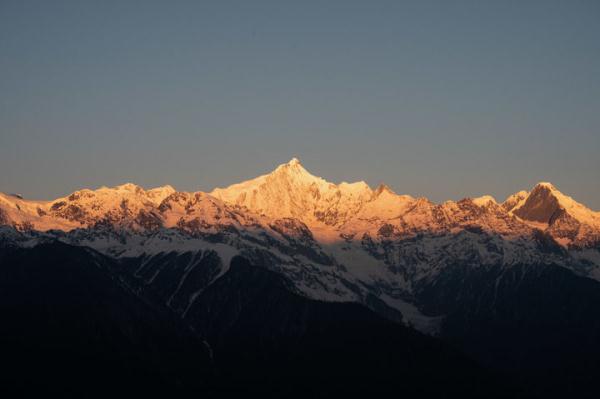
(565, 219)
(540, 206)
(514, 200)
(3, 217)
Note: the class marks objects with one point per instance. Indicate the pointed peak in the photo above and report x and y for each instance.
(294, 162)
(545, 185)
(484, 200)
(158, 194)
(294, 170)
(548, 189)
(514, 200)
(381, 188)
(544, 201)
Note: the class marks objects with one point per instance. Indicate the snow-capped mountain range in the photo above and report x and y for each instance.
(333, 242)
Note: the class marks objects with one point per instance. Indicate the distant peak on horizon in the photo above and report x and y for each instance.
(545, 185)
(292, 177)
(294, 162)
(296, 165)
(290, 191)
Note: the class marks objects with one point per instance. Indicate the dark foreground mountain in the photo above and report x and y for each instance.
(539, 324)
(72, 327)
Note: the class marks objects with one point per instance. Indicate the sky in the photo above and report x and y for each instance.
(443, 99)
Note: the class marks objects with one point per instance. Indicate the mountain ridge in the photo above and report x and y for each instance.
(291, 191)
(335, 242)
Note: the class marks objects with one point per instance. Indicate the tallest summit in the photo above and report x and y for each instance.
(292, 191)
(294, 162)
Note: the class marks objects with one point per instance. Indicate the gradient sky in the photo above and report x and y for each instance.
(443, 99)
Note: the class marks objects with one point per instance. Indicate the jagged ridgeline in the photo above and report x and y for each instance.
(287, 283)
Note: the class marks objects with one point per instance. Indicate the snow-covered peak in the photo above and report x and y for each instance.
(121, 205)
(158, 194)
(291, 191)
(515, 200)
(295, 172)
(294, 162)
(484, 200)
(546, 204)
(293, 167)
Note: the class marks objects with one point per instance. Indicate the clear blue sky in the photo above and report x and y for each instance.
(444, 99)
